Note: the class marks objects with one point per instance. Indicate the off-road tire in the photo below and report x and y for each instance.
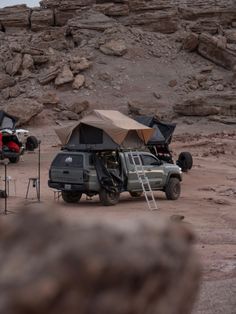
(71, 197)
(31, 143)
(14, 160)
(135, 194)
(185, 161)
(173, 189)
(109, 198)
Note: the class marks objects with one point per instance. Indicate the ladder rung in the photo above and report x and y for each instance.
(144, 181)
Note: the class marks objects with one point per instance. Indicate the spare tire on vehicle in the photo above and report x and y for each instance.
(31, 143)
(185, 161)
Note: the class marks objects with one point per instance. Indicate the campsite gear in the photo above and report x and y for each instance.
(13, 147)
(93, 173)
(104, 130)
(143, 179)
(161, 139)
(13, 141)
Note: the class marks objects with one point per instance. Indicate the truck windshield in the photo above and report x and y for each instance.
(72, 161)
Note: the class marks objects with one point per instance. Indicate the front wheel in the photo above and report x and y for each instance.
(71, 197)
(108, 198)
(173, 189)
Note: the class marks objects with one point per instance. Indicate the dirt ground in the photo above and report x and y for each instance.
(208, 203)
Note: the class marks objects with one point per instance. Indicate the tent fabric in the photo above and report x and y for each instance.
(7, 121)
(113, 123)
(162, 131)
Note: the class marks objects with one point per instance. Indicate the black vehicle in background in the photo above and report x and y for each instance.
(161, 139)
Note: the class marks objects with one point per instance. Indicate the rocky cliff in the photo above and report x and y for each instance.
(68, 55)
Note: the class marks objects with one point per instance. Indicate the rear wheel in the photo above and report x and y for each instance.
(185, 161)
(71, 197)
(31, 143)
(135, 194)
(173, 189)
(108, 198)
(14, 160)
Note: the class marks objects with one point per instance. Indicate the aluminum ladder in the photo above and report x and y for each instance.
(144, 181)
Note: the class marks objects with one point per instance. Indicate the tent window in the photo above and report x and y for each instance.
(7, 123)
(90, 135)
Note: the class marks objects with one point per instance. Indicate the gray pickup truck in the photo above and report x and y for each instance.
(110, 173)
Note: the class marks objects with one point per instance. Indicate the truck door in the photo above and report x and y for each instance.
(153, 170)
(133, 183)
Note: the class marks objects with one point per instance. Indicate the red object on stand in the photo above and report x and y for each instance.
(13, 147)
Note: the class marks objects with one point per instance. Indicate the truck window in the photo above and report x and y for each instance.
(71, 161)
(148, 160)
(136, 160)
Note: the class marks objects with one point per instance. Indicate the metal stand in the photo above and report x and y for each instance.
(6, 211)
(6, 196)
(39, 171)
(36, 181)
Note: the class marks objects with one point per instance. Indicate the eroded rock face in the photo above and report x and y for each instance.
(65, 10)
(15, 17)
(208, 105)
(113, 9)
(215, 50)
(95, 267)
(41, 19)
(154, 15)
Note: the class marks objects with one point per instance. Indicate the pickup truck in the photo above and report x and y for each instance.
(110, 173)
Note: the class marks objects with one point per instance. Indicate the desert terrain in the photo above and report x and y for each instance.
(207, 202)
(173, 59)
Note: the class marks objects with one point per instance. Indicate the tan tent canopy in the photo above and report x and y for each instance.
(115, 124)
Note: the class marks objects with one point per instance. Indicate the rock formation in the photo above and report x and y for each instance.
(47, 48)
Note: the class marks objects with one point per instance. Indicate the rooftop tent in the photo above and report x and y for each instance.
(7, 121)
(104, 130)
(163, 131)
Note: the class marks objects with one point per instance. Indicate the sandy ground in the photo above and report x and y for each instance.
(208, 202)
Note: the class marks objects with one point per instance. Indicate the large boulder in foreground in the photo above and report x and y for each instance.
(53, 266)
(23, 108)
